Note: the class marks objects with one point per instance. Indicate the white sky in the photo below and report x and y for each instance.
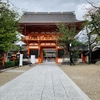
(53, 6)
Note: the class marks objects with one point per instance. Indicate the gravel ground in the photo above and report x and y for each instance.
(7, 75)
(87, 77)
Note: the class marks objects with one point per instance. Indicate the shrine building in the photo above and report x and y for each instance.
(40, 35)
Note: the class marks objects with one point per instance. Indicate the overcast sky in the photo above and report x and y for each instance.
(53, 6)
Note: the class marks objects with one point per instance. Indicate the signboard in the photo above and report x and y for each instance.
(32, 59)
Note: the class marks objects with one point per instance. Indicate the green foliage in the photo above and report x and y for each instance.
(44, 53)
(9, 64)
(76, 43)
(66, 35)
(8, 27)
(75, 55)
(60, 53)
(15, 48)
(16, 62)
(75, 50)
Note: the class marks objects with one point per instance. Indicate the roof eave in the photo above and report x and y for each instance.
(48, 23)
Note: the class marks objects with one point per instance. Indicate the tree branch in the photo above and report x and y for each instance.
(92, 5)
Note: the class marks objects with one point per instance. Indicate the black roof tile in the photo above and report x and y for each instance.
(48, 17)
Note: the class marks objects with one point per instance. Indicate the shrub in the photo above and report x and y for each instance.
(16, 62)
(9, 64)
(75, 56)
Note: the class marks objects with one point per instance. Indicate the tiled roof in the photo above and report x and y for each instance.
(48, 17)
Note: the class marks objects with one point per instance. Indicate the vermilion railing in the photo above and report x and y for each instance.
(40, 37)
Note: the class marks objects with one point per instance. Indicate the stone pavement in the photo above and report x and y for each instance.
(45, 81)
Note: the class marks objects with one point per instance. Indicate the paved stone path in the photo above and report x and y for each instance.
(43, 82)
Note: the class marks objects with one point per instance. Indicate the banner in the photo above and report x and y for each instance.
(21, 60)
(33, 59)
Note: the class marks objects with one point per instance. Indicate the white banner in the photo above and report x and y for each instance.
(32, 59)
(21, 60)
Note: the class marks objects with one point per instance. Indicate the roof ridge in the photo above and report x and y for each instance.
(71, 12)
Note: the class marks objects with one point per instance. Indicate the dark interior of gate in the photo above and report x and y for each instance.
(49, 54)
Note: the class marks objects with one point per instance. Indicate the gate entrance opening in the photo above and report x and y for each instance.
(49, 55)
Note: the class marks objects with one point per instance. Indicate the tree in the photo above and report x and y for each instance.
(67, 37)
(92, 24)
(8, 27)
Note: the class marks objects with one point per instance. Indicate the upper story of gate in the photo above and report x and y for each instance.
(42, 25)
